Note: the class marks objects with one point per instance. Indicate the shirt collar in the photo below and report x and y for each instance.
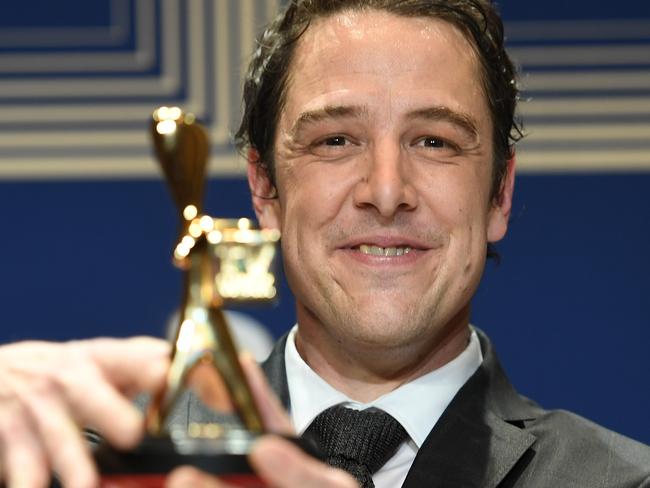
(417, 405)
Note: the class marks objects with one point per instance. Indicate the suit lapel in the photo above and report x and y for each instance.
(275, 370)
(476, 442)
(467, 453)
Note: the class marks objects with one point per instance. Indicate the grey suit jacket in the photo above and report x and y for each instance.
(490, 436)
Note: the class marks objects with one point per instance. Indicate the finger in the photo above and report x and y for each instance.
(62, 441)
(133, 365)
(189, 477)
(283, 465)
(273, 414)
(106, 411)
(19, 447)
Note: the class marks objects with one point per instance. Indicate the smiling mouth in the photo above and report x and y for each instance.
(384, 251)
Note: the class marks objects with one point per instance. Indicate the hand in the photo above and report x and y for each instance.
(277, 461)
(50, 391)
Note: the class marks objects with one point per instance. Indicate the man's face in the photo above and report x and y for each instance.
(383, 169)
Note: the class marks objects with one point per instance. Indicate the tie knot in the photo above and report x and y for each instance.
(358, 441)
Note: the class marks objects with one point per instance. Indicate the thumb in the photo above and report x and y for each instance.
(274, 416)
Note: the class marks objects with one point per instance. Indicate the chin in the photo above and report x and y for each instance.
(383, 330)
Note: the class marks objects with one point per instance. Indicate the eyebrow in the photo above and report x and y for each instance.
(445, 114)
(436, 113)
(328, 112)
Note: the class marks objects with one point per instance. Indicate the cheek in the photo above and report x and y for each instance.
(316, 192)
(455, 199)
(303, 204)
(458, 199)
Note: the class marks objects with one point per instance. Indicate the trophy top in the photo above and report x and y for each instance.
(168, 118)
(182, 150)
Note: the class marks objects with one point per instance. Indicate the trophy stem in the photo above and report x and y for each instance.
(226, 360)
(204, 346)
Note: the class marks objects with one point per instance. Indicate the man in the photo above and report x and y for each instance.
(379, 138)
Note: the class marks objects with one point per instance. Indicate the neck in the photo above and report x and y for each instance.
(354, 368)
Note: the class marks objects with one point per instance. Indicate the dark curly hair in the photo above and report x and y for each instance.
(265, 86)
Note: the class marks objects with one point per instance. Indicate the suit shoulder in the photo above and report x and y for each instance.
(590, 449)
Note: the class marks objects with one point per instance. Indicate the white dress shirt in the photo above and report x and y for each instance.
(416, 405)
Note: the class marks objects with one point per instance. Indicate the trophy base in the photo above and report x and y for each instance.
(148, 464)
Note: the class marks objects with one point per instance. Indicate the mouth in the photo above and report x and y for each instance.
(385, 249)
(395, 255)
(389, 251)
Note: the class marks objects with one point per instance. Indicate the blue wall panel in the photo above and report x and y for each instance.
(573, 9)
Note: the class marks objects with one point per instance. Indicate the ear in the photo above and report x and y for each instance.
(263, 194)
(500, 211)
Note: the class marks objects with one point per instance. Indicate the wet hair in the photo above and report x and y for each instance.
(265, 87)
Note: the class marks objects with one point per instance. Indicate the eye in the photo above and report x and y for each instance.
(334, 141)
(334, 146)
(432, 142)
(435, 147)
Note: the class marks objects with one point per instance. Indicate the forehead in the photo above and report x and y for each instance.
(373, 49)
(356, 26)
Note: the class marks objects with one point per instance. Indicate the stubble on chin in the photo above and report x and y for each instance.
(375, 323)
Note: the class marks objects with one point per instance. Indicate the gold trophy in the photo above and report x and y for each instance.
(224, 261)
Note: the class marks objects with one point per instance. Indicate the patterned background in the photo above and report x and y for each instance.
(88, 226)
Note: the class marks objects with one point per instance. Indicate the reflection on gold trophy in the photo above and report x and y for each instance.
(223, 261)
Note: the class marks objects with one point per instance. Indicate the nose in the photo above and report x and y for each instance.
(386, 182)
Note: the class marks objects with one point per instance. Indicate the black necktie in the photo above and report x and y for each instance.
(359, 442)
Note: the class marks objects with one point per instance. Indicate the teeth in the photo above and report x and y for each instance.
(384, 251)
